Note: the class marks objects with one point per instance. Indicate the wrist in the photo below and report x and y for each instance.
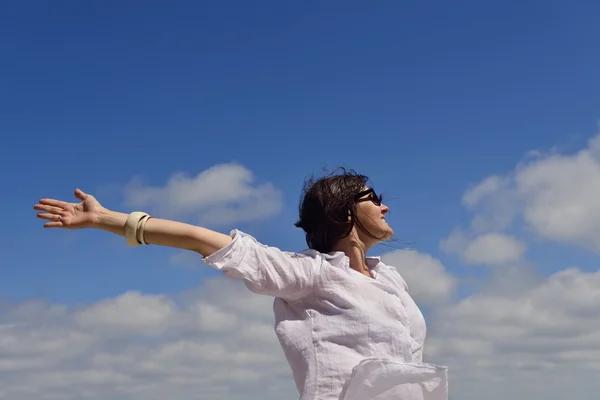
(110, 221)
(96, 218)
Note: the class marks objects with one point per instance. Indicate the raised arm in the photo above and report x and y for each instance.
(89, 213)
(265, 270)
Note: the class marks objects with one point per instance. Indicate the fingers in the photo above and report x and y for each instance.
(50, 213)
(55, 203)
(50, 209)
(50, 217)
(53, 225)
(55, 220)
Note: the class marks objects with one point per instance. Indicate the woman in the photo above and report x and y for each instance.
(346, 323)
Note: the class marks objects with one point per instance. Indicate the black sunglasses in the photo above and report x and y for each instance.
(374, 197)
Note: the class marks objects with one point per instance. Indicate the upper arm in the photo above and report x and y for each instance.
(267, 270)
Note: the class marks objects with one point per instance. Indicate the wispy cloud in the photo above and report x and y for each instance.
(221, 195)
(428, 280)
(485, 249)
(555, 195)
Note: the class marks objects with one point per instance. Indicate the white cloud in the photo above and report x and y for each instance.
(495, 202)
(555, 196)
(31, 346)
(540, 343)
(522, 335)
(489, 186)
(220, 195)
(456, 242)
(427, 280)
(493, 249)
(486, 249)
(131, 312)
(216, 341)
(561, 195)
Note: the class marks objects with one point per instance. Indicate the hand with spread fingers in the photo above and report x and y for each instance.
(62, 214)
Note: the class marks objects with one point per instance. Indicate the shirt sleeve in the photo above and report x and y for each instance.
(267, 270)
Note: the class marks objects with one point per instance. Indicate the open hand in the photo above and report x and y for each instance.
(70, 215)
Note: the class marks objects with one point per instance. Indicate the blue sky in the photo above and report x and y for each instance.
(427, 98)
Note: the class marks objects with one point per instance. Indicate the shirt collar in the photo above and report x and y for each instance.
(339, 259)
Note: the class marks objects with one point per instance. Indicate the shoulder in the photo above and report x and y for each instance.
(247, 239)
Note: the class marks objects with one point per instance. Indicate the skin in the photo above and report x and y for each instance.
(88, 213)
(358, 243)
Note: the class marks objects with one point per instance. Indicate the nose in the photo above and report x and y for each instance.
(384, 209)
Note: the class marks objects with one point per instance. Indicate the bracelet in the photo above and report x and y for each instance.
(131, 227)
(142, 236)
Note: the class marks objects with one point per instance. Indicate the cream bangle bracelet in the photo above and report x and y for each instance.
(131, 227)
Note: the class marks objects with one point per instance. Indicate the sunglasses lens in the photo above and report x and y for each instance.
(370, 196)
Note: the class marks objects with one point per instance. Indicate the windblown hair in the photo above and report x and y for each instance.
(325, 206)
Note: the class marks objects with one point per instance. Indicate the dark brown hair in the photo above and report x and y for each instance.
(325, 205)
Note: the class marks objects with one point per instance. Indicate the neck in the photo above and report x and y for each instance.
(356, 251)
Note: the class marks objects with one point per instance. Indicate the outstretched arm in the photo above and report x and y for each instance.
(163, 232)
(90, 214)
(265, 270)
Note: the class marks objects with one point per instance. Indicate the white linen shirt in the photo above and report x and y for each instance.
(346, 336)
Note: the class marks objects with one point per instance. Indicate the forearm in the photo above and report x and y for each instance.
(168, 233)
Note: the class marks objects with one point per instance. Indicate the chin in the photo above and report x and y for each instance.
(389, 232)
(386, 232)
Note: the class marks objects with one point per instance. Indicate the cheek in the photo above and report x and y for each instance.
(368, 213)
(372, 215)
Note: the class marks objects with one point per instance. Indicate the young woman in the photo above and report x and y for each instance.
(346, 323)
